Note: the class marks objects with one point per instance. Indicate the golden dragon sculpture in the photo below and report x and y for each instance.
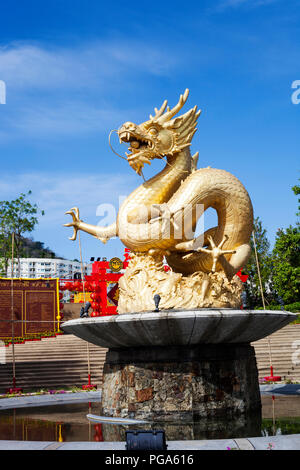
(159, 220)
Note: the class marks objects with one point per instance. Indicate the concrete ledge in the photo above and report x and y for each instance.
(280, 389)
(288, 442)
(44, 400)
(178, 327)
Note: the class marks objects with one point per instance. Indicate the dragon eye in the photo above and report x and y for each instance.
(153, 131)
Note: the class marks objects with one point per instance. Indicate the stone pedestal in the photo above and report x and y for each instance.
(182, 366)
(186, 383)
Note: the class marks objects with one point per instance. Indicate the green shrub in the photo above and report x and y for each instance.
(294, 307)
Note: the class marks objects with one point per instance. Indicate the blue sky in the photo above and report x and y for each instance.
(74, 70)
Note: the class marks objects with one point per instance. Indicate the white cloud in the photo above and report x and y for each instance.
(62, 91)
(58, 192)
(232, 3)
(69, 118)
(33, 66)
(225, 4)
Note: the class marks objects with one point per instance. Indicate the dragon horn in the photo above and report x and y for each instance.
(159, 112)
(172, 112)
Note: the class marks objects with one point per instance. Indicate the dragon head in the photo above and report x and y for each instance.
(161, 135)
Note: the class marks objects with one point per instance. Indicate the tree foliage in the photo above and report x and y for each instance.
(286, 264)
(5, 244)
(252, 286)
(18, 216)
(286, 260)
(280, 269)
(296, 190)
(35, 249)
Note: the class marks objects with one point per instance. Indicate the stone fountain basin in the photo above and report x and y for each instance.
(178, 327)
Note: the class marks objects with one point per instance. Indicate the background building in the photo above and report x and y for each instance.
(48, 267)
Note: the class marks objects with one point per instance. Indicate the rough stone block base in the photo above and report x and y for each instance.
(189, 383)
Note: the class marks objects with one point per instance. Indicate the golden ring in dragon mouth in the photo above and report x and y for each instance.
(139, 148)
(137, 143)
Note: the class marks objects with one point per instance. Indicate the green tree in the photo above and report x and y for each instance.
(18, 216)
(5, 242)
(252, 286)
(2, 267)
(286, 260)
(35, 249)
(296, 190)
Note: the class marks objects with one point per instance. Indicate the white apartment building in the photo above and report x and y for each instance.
(48, 267)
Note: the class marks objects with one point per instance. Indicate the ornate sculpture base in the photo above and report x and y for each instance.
(145, 276)
(189, 383)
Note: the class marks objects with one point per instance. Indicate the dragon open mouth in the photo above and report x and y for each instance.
(139, 148)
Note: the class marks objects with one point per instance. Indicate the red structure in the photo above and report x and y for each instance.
(126, 258)
(97, 284)
(98, 436)
(104, 301)
(243, 277)
(272, 377)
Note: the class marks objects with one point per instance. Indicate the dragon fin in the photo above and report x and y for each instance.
(195, 158)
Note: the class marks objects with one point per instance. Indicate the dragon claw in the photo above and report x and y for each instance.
(74, 212)
(216, 251)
